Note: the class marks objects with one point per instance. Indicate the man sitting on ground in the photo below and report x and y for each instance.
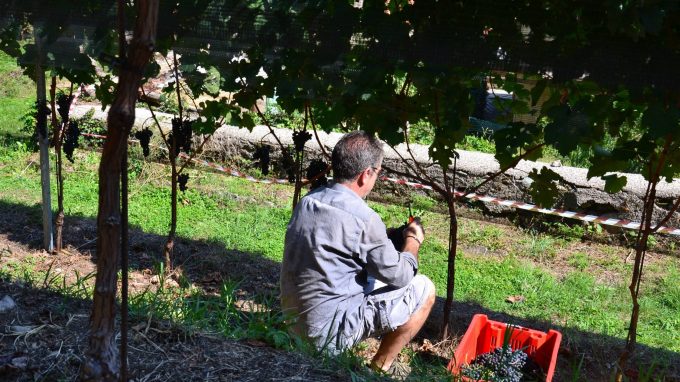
(337, 254)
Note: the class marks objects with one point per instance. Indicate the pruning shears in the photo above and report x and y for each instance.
(410, 214)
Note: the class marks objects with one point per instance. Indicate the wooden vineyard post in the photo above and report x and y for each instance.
(44, 143)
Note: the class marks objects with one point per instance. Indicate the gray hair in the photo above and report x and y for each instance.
(355, 152)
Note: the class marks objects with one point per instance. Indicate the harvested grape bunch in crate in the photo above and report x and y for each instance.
(495, 350)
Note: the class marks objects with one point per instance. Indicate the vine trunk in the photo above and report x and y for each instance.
(101, 361)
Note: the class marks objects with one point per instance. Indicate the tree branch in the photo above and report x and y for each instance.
(668, 216)
(271, 129)
(193, 154)
(434, 186)
(158, 124)
(416, 165)
(179, 83)
(177, 86)
(316, 135)
(503, 170)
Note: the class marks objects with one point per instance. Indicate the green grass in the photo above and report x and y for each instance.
(486, 235)
(234, 214)
(579, 260)
(17, 93)
(252, 218)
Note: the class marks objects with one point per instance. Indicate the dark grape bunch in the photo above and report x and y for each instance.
(71, 139)
(262, 155)
(144, 137)
(500, 365)
(300, 138)
(181, 132)
(396, 234)
(316, 167)
(288, 165)
(182, 180)
(64, 105)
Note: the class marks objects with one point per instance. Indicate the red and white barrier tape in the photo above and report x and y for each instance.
(623, 223)
(549, 211)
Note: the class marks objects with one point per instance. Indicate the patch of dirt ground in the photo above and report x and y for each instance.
(43, 339)
(45, 336)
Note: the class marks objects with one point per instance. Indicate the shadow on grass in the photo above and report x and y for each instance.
(209, 264)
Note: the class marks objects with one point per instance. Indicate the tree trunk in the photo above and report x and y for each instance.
(101, 359)
(641, 241)
(451, 276)
(298, 179)
(59, 221)
(57, 139)
(170, 243)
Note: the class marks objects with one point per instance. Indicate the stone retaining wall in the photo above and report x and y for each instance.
(577, 193)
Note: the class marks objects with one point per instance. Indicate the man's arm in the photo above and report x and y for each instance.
(385, 262)
(414, 234)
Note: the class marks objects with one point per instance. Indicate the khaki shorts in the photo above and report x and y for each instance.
(382, 312)
(386, 311)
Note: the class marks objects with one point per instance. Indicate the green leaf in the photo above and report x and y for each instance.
(151, 70)
(661, 121)
(605, 161)
(79, 70)
(246, 98)
(567, 129)
(9, 43)
(216, 109)
(105, 91)
(544, 189)
(329, 117)
(512, 142)
(614, 183)
(247, 121)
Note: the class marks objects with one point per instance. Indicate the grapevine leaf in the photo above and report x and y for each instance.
(614, 183)
(567, 128)
(661, 121)
(77, 68)
(605, 161)
(247, 121)
(9, 43)
(511, 140)
(246, 98)
(329, 117)
(544, 189)
(151, 70)
(104, 91)
(443, 145)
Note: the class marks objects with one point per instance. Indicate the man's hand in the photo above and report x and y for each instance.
(415, 231)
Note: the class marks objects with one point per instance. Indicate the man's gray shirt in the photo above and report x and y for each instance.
(334, 245)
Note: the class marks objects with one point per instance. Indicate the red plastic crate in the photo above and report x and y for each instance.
(484, 335)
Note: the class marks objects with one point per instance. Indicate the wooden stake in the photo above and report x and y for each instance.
(44, 143)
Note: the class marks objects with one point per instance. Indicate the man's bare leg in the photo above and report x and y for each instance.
(393, 342)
